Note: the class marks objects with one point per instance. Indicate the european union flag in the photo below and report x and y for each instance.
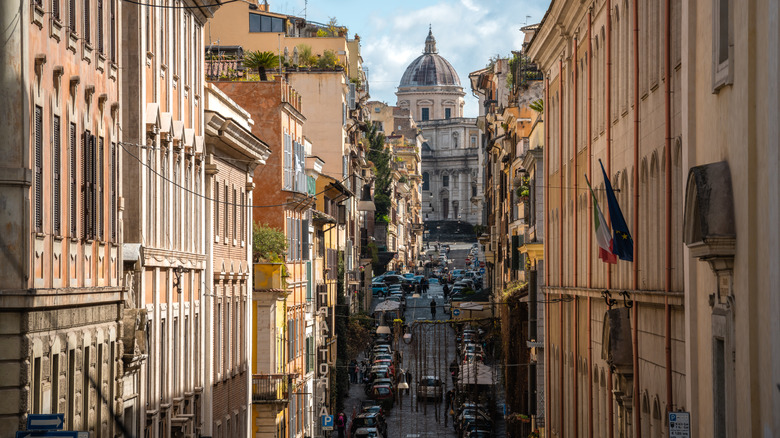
(622, 244)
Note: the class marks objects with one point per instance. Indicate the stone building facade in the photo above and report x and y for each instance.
(451, 152)
(616, 365)
(165, 241)
(61, 294)
(232, 154)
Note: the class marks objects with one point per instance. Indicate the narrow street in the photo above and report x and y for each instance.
(429, 352)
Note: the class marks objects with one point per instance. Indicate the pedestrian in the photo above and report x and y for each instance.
(352, 371)
(408, 380)
(360, 371)
(446, 290)
(433, 308)
(341, 424)
(425, 285)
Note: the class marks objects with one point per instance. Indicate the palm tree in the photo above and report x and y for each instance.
(260, 61)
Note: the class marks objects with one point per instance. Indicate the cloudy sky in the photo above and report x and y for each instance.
(392, 33)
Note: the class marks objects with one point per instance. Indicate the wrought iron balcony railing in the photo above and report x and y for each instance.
(270, 388)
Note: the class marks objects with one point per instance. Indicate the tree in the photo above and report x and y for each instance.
(328, 60)
(260, 61)
(268, 244)
(538, 106)
(380, 155)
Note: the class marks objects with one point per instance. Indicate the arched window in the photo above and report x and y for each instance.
(426, 185)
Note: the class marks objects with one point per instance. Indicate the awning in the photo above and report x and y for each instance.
(475, 373)
(387, 305)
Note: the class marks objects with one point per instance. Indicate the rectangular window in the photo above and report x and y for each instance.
(445, 181)
(216, 208)
(99, 190)
(72, 15)
(100, 27)
(227, 211)
(56, 183)
(425, 114)
(55, 9)
(87, 24)
(112, 30)
(85, 372)
(722, 67)
(112, 201)
(55, 382)
(85, 188)
(72, 179)
(288, 162)
(71, 402)
(265, 23)
(447, 113)
(243, 216)
(719, 387)
(36, 390)
(235, 215)
(38, 169)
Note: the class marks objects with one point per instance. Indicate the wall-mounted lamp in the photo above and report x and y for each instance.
(177, 271)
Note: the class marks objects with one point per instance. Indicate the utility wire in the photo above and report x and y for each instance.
(149, 4)
(122, 144)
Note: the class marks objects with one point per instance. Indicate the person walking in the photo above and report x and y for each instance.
(408, 380)
(341, 424)
(446, 290)
(433, 308)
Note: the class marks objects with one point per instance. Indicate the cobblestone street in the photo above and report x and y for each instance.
(429, 352)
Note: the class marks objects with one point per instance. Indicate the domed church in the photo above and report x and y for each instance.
(451, 154)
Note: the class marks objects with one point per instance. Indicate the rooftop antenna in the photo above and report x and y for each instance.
(526, 20)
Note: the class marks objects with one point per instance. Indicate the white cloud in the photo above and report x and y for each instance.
(468, 33)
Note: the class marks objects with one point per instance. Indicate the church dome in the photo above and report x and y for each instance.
(429, 69)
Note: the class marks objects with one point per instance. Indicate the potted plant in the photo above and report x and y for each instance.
(260, 61)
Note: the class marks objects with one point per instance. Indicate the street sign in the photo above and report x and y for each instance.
(327, 422)
(51, 433)
(481, 270)
(481, 264)
(456, 312)
(45, 421)
(679, 425)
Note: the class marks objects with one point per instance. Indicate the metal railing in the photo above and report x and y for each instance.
(270, 388)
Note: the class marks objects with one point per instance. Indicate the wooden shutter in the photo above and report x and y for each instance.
(57, 166)
(72, 180)
(38, 168)
(72, 15)
(99, 174)
(112, 201)
(216, 208)
(87, 24)
(100, 26)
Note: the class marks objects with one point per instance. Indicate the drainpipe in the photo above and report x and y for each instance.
(560, 366)
(574, 152)
(560, 230)
(546, 248)
(560, 172)
(637, 413)
(575, 412)
(608, 129)
(590, 227)
(668, 206)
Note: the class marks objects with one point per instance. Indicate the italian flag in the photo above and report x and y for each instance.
(603, 235)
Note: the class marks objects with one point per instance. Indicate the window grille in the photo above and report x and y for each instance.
(38, 169)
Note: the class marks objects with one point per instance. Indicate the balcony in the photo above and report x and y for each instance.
(271, 388)
(269, 277)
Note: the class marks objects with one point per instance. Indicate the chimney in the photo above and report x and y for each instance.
(264, 6)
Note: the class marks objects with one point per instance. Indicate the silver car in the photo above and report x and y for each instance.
(430, 387)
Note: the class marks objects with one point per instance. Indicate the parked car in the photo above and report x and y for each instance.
(382, 392)
(369, 406)
(367, 432)
(430, 387)
(369, 420)
(380, 289)
(392, 279)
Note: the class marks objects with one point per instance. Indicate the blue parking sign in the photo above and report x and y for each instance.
(327, 422)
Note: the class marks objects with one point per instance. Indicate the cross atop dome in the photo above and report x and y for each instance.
(430, 42)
